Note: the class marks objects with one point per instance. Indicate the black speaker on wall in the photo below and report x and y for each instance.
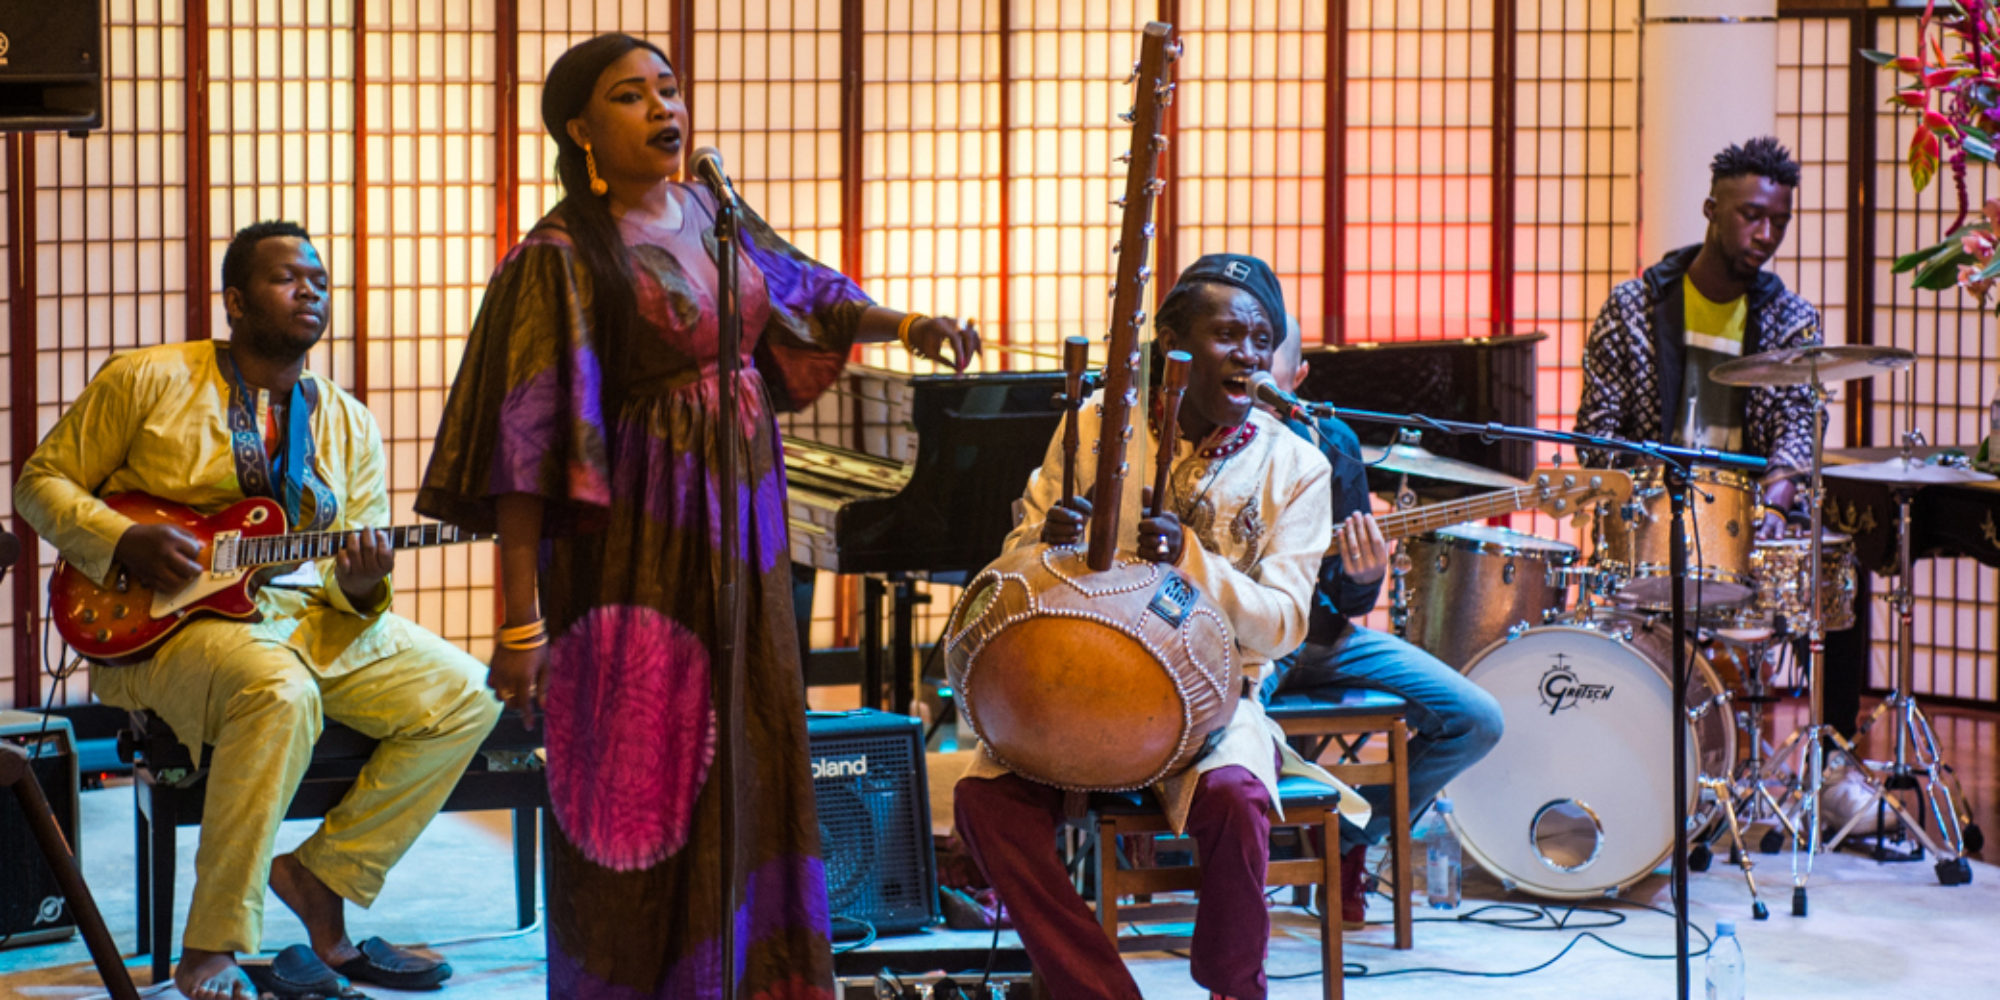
(32, 905)
(51, 66)
(874, 821)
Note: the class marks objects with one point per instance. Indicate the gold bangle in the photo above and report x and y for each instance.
(903, 328)
(523, 633)
(524, 645)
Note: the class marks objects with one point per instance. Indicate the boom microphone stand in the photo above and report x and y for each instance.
(1678, 461)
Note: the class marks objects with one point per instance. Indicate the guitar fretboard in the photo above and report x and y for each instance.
(1408, 523)
(308, 545)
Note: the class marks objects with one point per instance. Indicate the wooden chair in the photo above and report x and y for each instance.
(1135, 814)
(169, 793)
(1347, 718)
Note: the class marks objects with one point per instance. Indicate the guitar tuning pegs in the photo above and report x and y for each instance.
(1118, 247)
(1124, 157)
(1114, 291)
(1155, 186)
(1145, 275)
(1134, 77)
(1139, 321)
(1176, 49)
(1150, 230)
(1159, 142)
(1128, 116)
(1118, 202)
(1165, 92)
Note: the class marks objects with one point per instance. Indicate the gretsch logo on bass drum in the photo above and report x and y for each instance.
(1561, 689)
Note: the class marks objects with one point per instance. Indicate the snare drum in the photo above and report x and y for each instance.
(1469, 584)
(1782, 567)
(1721, 527)
(1575, 799)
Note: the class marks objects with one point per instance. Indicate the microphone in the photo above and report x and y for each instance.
(1265, 389)
(707, 165)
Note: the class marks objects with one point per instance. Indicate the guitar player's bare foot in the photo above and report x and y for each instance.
(212, 975)
(321, 909)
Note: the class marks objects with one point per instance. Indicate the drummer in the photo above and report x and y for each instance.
(1647, 359)
(1248, 524)
(1453, 721)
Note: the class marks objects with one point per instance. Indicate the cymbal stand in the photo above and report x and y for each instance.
(1812, 760)
(1917, 766)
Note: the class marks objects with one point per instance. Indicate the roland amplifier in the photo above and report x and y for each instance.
(32, 906)
(51, 66)
(874, 821)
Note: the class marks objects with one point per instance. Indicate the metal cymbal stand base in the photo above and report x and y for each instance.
(1917, 766)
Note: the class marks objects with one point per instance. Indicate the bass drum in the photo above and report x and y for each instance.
(1575, 800)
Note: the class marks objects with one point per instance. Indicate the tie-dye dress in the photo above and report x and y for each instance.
(618, 435)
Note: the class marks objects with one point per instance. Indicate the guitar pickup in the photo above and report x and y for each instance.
(222, 554)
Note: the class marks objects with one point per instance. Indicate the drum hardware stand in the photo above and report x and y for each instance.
(1678, 461)
(1916, 765)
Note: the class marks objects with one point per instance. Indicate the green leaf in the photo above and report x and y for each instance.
(1978, 148)
(1910, 260)
(1878, 57)
(1988, 272)
(1942, 271)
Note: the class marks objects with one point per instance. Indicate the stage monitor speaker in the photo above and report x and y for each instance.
(32, 906)
(51, 66)
(874, 821)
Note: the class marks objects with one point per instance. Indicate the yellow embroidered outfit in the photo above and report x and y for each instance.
(158, 420)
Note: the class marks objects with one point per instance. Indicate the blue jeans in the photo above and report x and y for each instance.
(1453, 722)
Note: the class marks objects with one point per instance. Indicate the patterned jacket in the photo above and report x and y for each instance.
(1633, 363)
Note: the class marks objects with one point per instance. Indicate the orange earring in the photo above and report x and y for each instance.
(597, 185)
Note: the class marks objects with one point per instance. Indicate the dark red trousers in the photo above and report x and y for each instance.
(1008, 825)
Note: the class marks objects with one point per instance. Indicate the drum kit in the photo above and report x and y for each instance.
(1576, 800)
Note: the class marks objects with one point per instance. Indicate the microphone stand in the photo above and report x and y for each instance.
(729, 599)
(1677, 461)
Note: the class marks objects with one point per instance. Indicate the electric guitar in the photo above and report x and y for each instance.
(126, 621)
(1560, 492)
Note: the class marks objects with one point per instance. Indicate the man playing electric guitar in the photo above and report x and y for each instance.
(205, 424)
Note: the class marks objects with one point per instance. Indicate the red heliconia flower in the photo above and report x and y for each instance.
(1939, 77)
(1908, 64)
(1913, 98)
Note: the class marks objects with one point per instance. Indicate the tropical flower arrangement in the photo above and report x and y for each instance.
(1953, 85)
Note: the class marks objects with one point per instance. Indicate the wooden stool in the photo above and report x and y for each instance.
(169, 793)
(1305, 803)
(1346, 717)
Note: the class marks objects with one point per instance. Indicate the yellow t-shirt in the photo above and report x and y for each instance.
(1711, 414)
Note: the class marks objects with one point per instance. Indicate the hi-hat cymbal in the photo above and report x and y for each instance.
(1915, 472)
(1821, 363)
(1414, 460)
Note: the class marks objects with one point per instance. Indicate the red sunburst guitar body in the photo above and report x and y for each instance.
(126, 621)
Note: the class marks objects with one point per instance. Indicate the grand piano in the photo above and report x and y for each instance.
(905, 478)
(902, 478)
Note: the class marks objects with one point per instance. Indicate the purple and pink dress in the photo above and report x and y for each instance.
(617, 432)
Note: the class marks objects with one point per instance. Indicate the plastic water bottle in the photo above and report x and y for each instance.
(1725, 963)
(1443, 860)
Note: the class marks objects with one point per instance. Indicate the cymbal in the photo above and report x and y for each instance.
(1414, 460)
(1908, 473)
(1820, 363)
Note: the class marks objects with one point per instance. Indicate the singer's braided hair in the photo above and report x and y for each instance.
(1762, 156)
(586, 217)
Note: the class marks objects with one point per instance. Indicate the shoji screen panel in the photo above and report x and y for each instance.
(1251, 155)
(281, 143)
(1575, 194)
(110, 224)
(545, 29)
(1067, 62)
(1814, 120)
(427, 98)
(1419, 169)
(930, 158)
(766, 83)
(1957, 343)
(11, 658)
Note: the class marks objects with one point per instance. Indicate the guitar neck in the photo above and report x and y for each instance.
(304, 546)
(1408, 523)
